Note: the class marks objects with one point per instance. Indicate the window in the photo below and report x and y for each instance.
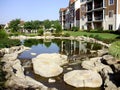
(111, 2)
(110, 13)
(110, 27)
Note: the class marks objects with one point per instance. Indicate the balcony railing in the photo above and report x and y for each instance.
(98, 17)
(89, 8)
(98, 6)
(89, 18)
(89, 1)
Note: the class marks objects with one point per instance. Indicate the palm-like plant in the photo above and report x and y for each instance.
(114, 49)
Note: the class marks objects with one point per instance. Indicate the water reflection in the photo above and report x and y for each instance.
(66, 47)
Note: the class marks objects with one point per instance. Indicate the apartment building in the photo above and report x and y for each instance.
(70, 15)
(62, 17)
(92, 14)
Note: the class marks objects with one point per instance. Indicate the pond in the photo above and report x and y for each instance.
(77, 51)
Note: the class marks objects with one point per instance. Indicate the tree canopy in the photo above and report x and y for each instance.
(47, 24)
(14, 25)
(32, 24)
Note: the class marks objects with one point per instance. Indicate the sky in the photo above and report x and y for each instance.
(28, 10)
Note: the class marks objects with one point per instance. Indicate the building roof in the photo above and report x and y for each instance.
(63, 9)
(72, 1)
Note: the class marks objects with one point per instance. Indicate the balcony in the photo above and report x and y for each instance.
(89, 8)
(89, 18)
(89, 1)
(98, 6)
(98, 18)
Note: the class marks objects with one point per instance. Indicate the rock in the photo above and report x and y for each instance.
(33, 83)
(108, 57)
(83, 78)
(51, 80)
(116, 67)
(46, 68)
(17, 69)
(92, 51)
(48, 65)
(6, 50)
(110, 85)
(24, 82)
(54, 57)
(2, 53)
(9, 57)
(95, 65)
(109, 60)
(33, 54)
(102, 52)
(69, 68)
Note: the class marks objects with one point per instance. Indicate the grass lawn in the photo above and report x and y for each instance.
(93, 33)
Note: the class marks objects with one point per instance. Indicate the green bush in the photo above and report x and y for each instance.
(40, 32)
(100, 29)
(66, 35)
(3, 34)
(57, 34)
(114, 49)
(7, 43)
(75, 29)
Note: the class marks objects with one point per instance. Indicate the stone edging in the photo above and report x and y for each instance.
(79, 38)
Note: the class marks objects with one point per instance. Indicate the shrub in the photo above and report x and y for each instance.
(7, 43)
(3, 34)
(57, 34)
(75, 29)
(40, 32)
(100, 29)
(66, 35)
(114, 49)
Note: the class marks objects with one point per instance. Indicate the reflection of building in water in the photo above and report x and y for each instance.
(72, 47)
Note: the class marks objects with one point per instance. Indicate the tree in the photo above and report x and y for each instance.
(47, 24)
(32, 25)
(28, 25)
(35, 24)
(15, 25)
(3, 34)
(57, 26)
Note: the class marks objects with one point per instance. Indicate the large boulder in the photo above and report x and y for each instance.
(52, 58)
(48, 65)
(15, 83)
(9, 57)
(108, 59)
(95, 65)
(46, 69)
(83, 78)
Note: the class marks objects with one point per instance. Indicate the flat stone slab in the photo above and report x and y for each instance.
(83, 78)
(48, 65)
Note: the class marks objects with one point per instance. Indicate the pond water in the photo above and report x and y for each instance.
(75, 50)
